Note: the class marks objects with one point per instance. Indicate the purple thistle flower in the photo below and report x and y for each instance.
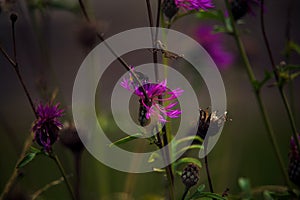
(194, 4)
(212, 43)
(47, 125)
(156, 92)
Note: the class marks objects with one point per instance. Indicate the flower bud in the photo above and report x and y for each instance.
(190, 175)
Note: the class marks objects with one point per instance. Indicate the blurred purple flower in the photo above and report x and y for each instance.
(47, 125)
(156, 92)
(294, 162)
(194, 4)
(213, 44)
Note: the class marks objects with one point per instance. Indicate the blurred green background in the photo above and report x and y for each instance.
(53, 41)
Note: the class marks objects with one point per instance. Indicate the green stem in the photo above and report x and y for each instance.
(62, 171)
(164, 141)
(253, 81)
(280, 86)
(186, 190)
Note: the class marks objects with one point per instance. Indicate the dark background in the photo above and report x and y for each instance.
(50, 51)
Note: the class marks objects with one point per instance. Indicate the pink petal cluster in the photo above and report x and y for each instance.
(156, 92)
(194, 4)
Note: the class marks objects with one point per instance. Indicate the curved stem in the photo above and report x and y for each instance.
(253, 81)
(62, 171)
(186, 190)
(280, 87)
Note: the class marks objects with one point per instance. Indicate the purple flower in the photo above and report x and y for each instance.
(47, 125)
(156, 92)
(194, 4)
(213, 44)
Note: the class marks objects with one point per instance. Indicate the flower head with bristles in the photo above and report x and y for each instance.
(47, 125)
(156, 93)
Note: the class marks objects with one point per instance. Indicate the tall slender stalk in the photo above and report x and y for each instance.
(277, 78)
(164, 140)
(253, 81)
(28, 141)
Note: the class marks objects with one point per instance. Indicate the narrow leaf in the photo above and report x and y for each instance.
(188, 138)
(294, 46)
(126, 139)
(154, 156)
(27, 159)
(187, 160)
(184, 149)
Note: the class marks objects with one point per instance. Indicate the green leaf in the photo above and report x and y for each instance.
(228, 25)
(184, 149)
(201, 188)
(294, 75)
(187, 160)
(220, 29)
(199, 194)
(34, 150)
(267, 195)
(159, 170)
(188, 138)
(290, 67)
(27, 159)
(154, 156)
(214, 14)
(293, 46)
(126, 139)
(245, 186)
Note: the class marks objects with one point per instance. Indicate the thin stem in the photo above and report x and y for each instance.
(121, 60)
(280, 87)
(77, 163)
(166, 153)
(13, 178)
(257, 94)
(208, 175)
(149, 11)
(62, 171)
(14, 36)
(15, 65)
(26, 91)
(186, 190)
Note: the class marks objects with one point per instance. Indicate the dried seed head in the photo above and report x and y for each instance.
(13, 17)
(190, 175)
